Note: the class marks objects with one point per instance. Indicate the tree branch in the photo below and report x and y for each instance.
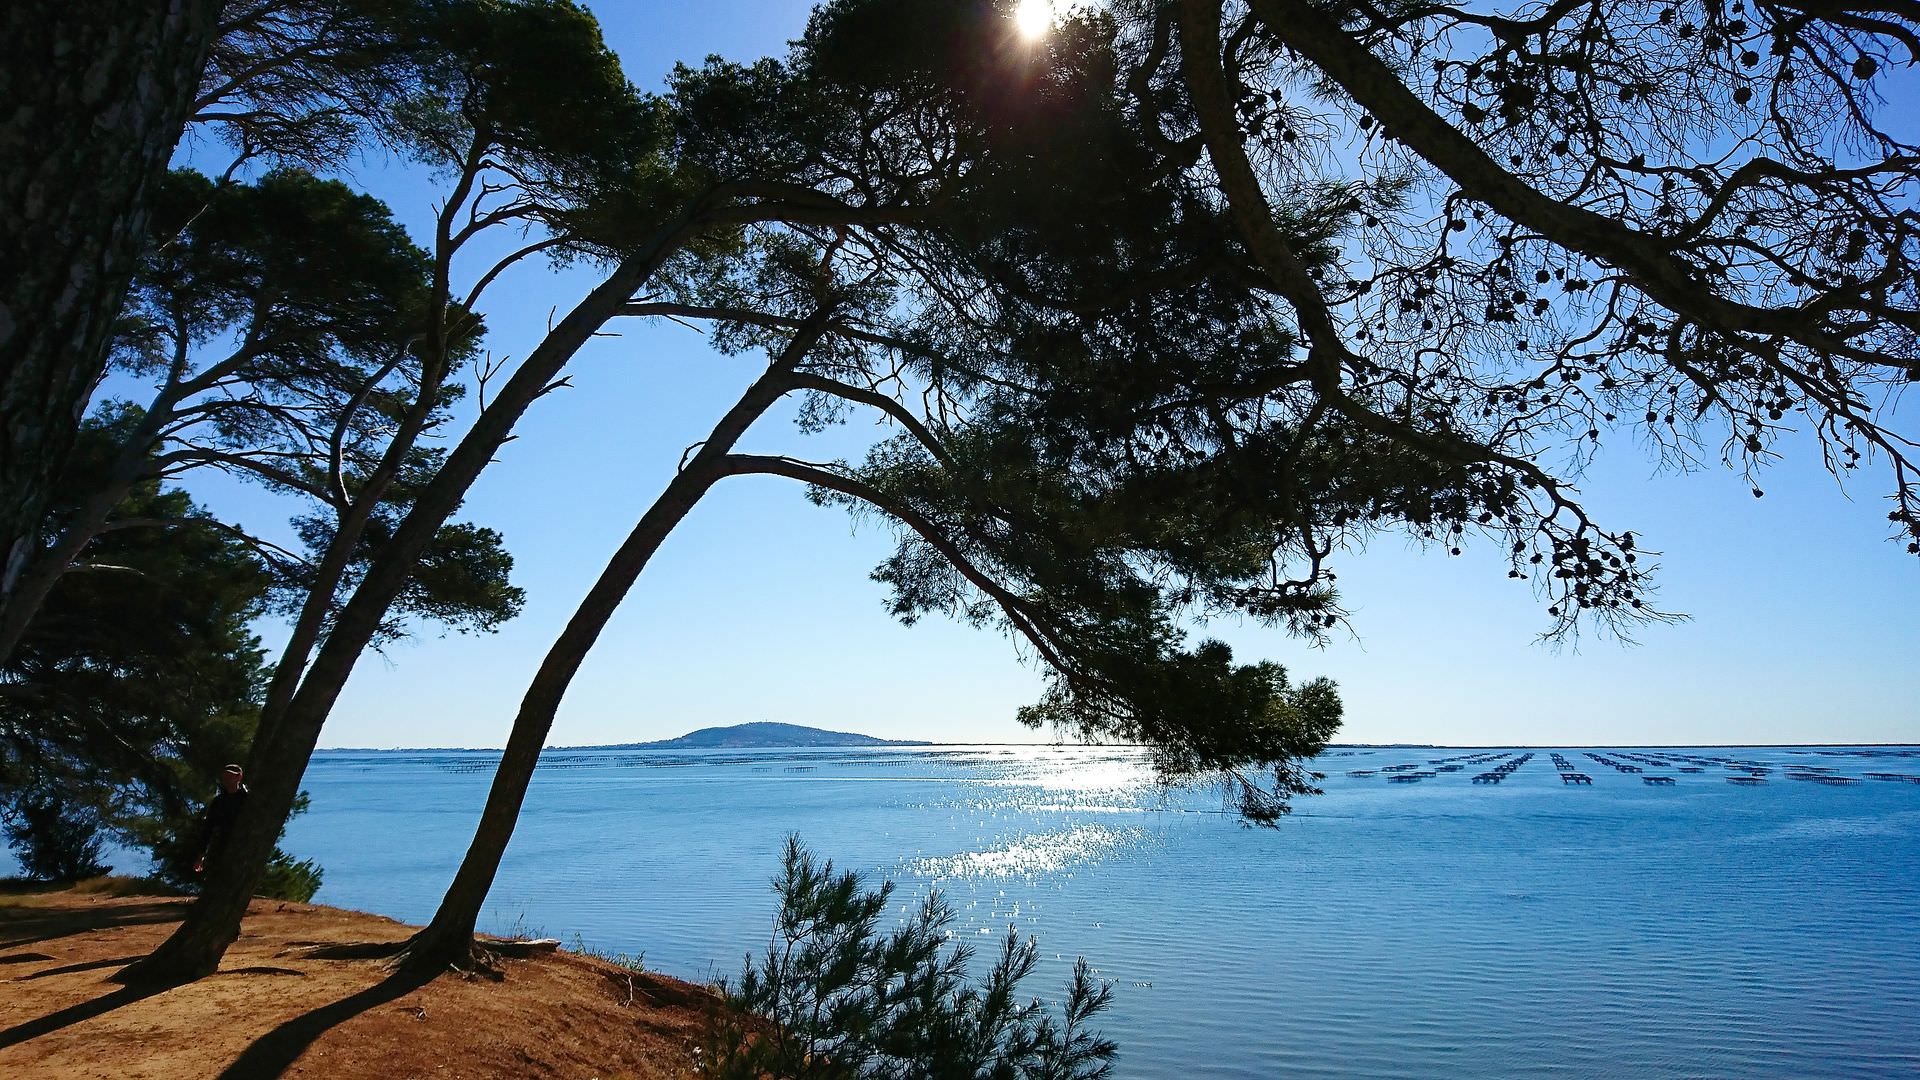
(271, 551)
(1019, 613)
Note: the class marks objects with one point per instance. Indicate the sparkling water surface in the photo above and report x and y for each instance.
(1428, 927)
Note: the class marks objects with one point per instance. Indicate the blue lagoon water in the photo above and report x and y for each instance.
(1434, 927)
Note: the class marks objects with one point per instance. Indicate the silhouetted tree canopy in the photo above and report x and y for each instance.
(1370, 349)
(1171, 308)
(1686, 224)
(1161, 348)
(140, 678)
(284, 328)
(501, 99)
(304, 82)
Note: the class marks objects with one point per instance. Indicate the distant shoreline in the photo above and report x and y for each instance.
(911, 744)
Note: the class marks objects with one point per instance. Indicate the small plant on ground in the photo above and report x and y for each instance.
(630, 962)
(630, 966)
(520, 929)
(838, 998)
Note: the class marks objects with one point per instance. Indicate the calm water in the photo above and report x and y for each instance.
(1437, 927)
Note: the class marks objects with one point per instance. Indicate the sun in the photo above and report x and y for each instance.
(1032, 18)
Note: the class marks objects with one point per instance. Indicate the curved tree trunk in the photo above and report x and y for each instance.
(96, 95)
(44, 569)
(287, 737)
(448, 938)
(310, 622)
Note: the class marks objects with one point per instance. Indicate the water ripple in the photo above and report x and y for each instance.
(1440, 928)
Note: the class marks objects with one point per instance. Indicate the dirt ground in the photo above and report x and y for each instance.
(272, 1012)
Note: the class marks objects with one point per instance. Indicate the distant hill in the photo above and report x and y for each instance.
(764, 733)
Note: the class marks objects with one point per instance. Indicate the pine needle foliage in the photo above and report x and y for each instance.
(841, 998)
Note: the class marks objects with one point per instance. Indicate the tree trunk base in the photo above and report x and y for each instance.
(168, 967)
(428, 953)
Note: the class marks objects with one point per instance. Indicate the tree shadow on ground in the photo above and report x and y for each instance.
(272, 1053)
(30, 926)
(23, 957)
(90, 965)
(663, 996)
(74, 1014)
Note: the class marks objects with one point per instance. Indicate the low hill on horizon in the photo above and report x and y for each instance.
(759, 733)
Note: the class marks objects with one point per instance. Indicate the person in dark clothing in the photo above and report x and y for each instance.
(222, 812)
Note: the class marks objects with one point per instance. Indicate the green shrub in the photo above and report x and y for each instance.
(837, 998)
(55, 840)
(288, 878)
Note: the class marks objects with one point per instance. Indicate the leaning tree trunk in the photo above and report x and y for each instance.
(46, 567)
(287, 738)
(448, 938)
(95, 97)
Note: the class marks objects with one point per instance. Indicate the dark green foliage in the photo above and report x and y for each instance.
(1094, 577)
(286, 324)
(319, 279)
(1112, 441)
(1570, 223)
(328, 304)
(174, 836)
(1145, 269)
(55, 840)
(269, 313)
(841, 998)
(530, 86)
(1143, 381)
(303, 81)
(139, 679)
(535, 77)
(461, 582)
(288, 878)
(144, 647)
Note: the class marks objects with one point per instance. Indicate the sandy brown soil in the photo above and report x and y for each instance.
(271, 1011)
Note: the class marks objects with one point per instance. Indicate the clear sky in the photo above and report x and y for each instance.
(759, 607)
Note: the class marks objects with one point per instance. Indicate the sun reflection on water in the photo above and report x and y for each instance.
(1029, 856)
(1096, 774)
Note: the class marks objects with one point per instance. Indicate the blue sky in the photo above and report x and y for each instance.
(759, 607)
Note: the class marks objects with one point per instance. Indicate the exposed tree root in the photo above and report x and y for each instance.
(472, 957)
(421, 956)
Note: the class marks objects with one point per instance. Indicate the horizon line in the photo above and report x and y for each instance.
(913, 743)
